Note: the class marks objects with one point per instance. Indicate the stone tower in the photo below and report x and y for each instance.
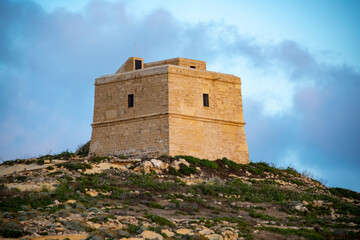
(169, 107)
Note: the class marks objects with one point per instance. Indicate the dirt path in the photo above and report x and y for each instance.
(6, 170)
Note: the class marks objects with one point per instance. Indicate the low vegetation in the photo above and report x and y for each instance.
(198, 162)
(255, 201)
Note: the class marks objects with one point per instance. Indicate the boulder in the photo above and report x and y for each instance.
(206, 231)
(147, 165)
(300, 208)
(176, 164)
(230, 235)
(168, 232)
(318, 203)
(184, 231)
(159, 164)
(151, 235)
(214, 237)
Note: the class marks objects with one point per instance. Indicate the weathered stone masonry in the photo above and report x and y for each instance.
(168, 116)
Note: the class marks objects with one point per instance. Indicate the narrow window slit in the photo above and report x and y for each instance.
(131, 100)
(206, 100)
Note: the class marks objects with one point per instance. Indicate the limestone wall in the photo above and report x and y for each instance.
(150, 91)
(207, 132)
(141, 130)
(129, 65)
(207, 139)
(142, 137)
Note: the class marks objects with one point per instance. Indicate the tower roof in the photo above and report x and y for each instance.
(135, 63)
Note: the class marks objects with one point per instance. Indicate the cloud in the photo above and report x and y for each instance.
(299, 110)
(322, 132)
(331, 119)
(49, 61)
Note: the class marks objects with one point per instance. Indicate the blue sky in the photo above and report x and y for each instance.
(298, 60)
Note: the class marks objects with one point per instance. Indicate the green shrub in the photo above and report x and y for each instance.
(133, 229)
(21, 178)
(28, 162)
(308, 234)
(187, 171)
(9, 163)
(64, 155)
(76, 166)
(155, 205)
(172, 171)
(150, 181)
(189, 159)
(98, 159)
(55, 173)
(117, 194)
(35, 200)
(254, 214)
(98, 181)
(199, 162)
(47, 156)
(292, 171)
(260, 168)
(50, 168)
(111, 216)
(232, 165)
(64, 191)
(255, 193)
(178, 181)
(83, 150)
(94, 220)
(159, 220)
(297, 182)
(12, 229)
(342, 192)
(40, 162)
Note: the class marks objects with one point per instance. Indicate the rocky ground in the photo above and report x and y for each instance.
(72, 197)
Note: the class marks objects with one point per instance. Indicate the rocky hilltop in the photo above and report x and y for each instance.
(67, 196)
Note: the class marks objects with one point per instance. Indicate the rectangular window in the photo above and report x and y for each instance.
(138, 64)
(192, 67)
(206, 99)
(131, 100)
